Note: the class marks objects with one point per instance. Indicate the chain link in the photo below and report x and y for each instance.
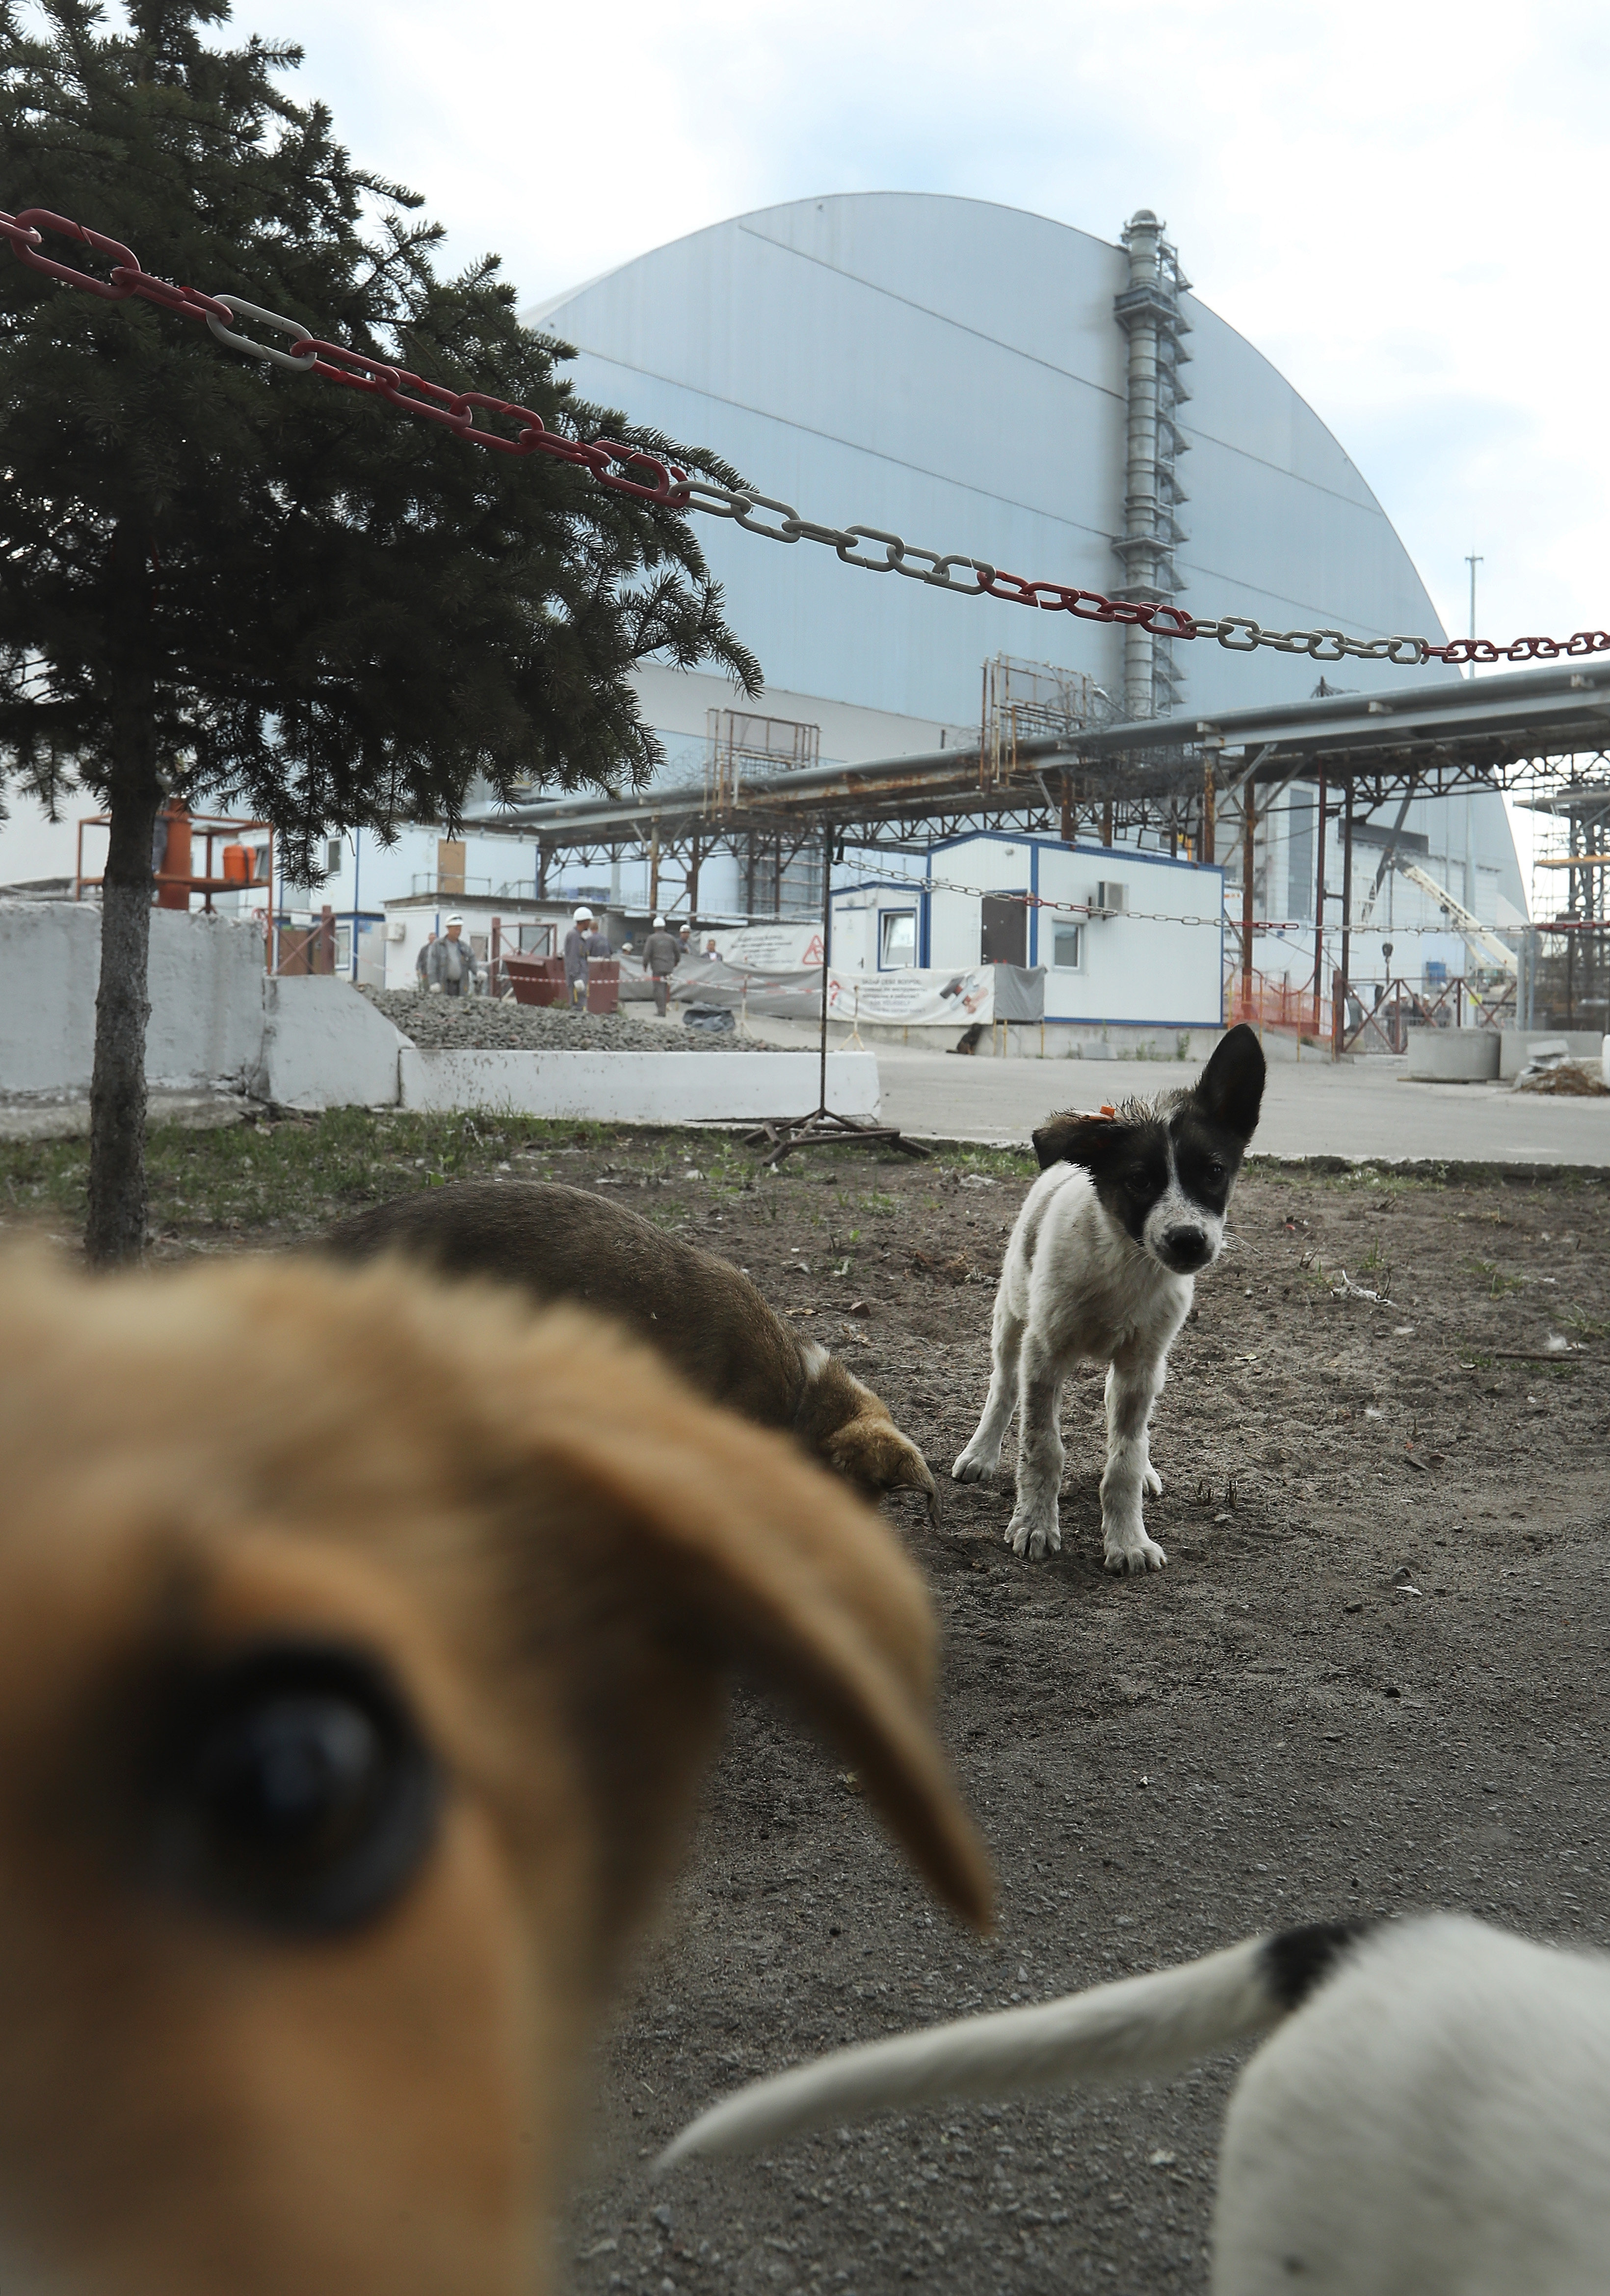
(629, 470)
(1093, 909)
(1087, 909)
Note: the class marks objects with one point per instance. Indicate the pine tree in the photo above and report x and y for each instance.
(260, 589)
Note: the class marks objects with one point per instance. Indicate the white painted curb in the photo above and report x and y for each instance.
(639, 1087)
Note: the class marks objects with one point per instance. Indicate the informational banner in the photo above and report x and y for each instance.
(920, 996)
(916, 998)
(772, 948)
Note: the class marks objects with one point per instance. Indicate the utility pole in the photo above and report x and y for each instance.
(1318, 908)
(1473, 561)
(1249, 836)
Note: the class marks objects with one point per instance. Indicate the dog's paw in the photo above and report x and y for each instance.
(1136, 1553)
(1153, 1481)
(1036, 1539)
(975, 1467)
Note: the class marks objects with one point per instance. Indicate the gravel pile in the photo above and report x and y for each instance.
(476, 1024)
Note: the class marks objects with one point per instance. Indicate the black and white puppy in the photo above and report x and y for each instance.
(1431, 2116)
(1101, 1267)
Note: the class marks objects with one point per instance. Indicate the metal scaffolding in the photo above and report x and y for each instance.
(1184, 778)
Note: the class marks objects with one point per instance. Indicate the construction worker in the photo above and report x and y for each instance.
(578, 948)
(450, 964)
(662, 953)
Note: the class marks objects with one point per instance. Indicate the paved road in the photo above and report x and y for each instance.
(1309, 1110)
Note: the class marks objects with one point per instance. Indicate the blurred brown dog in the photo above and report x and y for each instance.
(699, 1311)
(354, 1695)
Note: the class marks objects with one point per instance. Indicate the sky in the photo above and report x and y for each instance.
(1399, 206)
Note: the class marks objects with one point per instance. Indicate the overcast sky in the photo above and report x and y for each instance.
(1402, 206)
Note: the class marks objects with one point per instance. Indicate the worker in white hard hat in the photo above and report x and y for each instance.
(450, 966)
(578, 947)
(662, 953)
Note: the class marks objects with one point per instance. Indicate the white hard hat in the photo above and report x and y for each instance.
(582, 916)
(456, 921)
(659, 923)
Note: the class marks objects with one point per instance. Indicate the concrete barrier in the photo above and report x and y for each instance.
(206, 998)
(312, 1041)
(639, 1087)
(1453, 1055)
(1582, 1043)
(323, 1046)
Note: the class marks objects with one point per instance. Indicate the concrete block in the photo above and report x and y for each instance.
(206, 997)
(1453, 1055)
(207, 981)
(1582, 1043)
(324, 1045)
(639, 1087)
(50, 960)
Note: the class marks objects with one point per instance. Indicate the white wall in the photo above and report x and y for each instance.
(641, 1087)
(1149, 964)
(206, 997)
(1153, 969)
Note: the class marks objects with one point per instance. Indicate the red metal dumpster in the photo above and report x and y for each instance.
(541, 980)
(536, 979)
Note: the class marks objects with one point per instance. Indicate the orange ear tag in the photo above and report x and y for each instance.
(1109, 1112)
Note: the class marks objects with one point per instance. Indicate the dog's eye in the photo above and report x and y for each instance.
(1213, 1169)
(294, 1790)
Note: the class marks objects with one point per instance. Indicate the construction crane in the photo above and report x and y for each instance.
(1474, 934)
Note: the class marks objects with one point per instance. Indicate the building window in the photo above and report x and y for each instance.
(896, 938)
(1067, 947)
(335, 853)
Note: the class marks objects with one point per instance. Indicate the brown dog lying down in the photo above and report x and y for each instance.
(355, 1690)
(701, 1312)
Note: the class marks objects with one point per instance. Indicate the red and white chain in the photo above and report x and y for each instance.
(629, 470)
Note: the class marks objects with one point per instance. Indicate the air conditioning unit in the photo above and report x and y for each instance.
(1111, 900)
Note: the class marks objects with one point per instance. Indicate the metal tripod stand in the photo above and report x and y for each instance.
(824, 1126)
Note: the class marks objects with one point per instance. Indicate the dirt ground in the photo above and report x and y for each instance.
(1371, 1678)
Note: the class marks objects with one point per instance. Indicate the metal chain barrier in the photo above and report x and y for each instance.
(629, 470)
(1088, 909)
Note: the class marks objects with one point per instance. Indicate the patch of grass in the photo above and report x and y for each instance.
(1498, 1284)
(296, 1174)
(994, 1163)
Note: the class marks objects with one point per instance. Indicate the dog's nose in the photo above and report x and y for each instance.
(1187, 1247)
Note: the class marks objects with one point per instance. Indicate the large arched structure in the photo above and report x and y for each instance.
(977, 380)
(956, 372)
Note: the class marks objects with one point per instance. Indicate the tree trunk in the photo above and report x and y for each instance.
(115, 1230)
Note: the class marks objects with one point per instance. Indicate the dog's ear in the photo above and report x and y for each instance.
(1231, 1087)
(871, 1453)
(1074, 1137)
(673, 1542)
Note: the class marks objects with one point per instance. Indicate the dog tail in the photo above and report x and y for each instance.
(1140, 2027)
